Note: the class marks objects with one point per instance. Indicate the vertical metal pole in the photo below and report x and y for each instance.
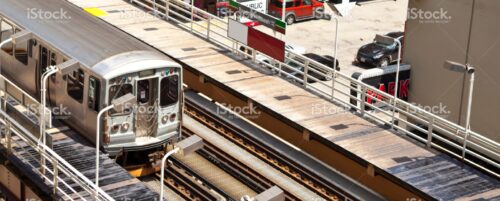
(55, 178)
(279, 68)
(397, 84)
(334, 75)
(430, 132)
(283, 11)
(254, 54)
(192, 14)
(208, 28)
(50, 71)
(363, 97)
(8, 138)
(167, 9)
(305, 73)
(154, 7)
(163, 160)
(283, 14)
(467, 120)
(97, 145)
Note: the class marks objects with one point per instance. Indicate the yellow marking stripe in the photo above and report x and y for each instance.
(96, 12)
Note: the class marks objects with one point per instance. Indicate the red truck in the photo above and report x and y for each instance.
(297, 10)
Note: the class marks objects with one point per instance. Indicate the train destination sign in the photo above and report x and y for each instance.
(252, 14)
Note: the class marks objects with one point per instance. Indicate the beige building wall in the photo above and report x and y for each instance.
(471, 35)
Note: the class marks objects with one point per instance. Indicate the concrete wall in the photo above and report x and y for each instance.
(469, 33)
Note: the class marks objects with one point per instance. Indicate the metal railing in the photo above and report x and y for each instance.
(10, 91)
(67, 182)
(441, 133)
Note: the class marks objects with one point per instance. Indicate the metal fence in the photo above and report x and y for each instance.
(67, 182)
(400, 115)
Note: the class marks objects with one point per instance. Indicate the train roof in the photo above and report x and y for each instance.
(78, 34)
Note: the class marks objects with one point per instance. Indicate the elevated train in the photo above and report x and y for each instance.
(111, 64)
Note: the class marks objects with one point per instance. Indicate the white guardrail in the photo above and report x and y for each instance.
(411, 119)
(67, 182)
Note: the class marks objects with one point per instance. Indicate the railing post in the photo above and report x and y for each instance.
(464, 147)
(192, 14)
(55, 178)
(306, 71)
(8, 137)
(254, 54)
(430, 132)
(333, 83)
(4, 104)
(279, 68)
(208, 28)
(167, 9)
(362, 103)
(394, 105)
(235, 49)
(154, 7)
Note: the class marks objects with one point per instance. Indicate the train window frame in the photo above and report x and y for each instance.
(12, 30)
(164, 92)
(23, 56)
(75, 79)
(31, 44)
(112, 96)
(93, 93)
(52, 58)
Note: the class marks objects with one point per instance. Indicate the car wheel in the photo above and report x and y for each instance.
(384, 62)
(290, 19)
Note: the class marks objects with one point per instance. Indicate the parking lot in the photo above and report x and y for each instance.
(355, 30)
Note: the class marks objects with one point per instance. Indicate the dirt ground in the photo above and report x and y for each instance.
(355, 30)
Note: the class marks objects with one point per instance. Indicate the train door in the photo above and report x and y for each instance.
(146, 121)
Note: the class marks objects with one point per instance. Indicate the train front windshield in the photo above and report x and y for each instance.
(169, 90)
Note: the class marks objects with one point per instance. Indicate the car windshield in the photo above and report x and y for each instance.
(292, 65)
(385, 45)
(279, 4)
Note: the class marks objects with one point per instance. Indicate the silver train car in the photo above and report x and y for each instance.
(111, 64)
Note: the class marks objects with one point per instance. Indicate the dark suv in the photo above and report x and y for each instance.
(380, 53)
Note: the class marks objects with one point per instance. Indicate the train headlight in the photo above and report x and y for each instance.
(115, 128)
(164, 119)
(125, 127)
(172, 117)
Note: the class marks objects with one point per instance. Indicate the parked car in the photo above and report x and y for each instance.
(249, 23)
(380, 53)
(297, 10)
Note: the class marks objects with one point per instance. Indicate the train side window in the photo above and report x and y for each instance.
(31, 45)
(93, 95)
(5, 33)
(75, 85)
(53, 59)
(117, 91)
(21, 52)
(169, 90)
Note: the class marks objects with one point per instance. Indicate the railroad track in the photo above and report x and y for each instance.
(188, 185)
(236, 169)
(285, 165)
